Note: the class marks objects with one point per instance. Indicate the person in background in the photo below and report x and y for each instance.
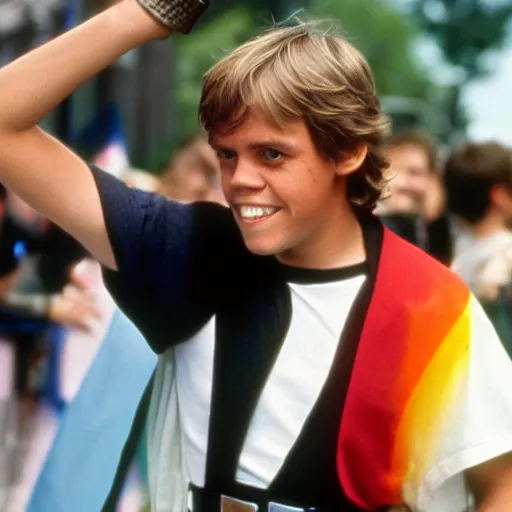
(193, 174)
(478, 178)
(415, 203)
(29, 305)
(32, 255)
(29, 311)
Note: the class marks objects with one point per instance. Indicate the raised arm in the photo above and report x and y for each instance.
(45, 173)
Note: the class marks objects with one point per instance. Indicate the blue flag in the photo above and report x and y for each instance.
(80, 468)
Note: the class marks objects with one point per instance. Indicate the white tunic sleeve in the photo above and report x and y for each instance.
(479, 425)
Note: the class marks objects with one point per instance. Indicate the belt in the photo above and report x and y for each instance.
(229, 504)
(201, 500)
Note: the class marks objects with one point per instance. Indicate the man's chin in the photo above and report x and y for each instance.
(261, 247)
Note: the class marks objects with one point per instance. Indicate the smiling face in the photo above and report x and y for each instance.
(409, 175)
(291, 114)
(286, 198)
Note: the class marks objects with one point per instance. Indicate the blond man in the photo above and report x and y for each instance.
(309, 358)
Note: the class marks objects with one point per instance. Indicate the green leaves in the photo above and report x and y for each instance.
(385, 36)
(196, 54)
(467, 31)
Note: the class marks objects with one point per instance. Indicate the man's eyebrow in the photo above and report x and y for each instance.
(286, 147)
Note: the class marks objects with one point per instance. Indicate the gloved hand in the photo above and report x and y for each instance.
(177, 15)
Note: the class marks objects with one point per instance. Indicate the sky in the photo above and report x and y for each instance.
(489, 102)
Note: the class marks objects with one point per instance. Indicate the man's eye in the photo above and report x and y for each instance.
(225, 154)
(271, 154)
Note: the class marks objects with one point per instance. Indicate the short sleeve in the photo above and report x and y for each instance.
(169, 258)
(479, 425)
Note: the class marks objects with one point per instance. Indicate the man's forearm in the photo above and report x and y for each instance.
(40, 80)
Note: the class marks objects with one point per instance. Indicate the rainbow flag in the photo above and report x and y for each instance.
(426, 399)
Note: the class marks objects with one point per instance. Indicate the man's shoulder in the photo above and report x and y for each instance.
(412, 256)
(414, 266)
(139, 211)
(209, 219)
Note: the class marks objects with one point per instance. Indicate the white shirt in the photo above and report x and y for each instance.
(319, 312)
(478, 427)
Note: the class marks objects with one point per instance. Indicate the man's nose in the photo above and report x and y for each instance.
(247, 175)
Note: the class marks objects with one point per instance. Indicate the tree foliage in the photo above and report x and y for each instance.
(386, 39)
(465, 31)
(382, 33)
(196, 54)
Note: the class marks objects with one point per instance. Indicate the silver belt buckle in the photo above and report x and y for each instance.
(229, 504)
(277, 507)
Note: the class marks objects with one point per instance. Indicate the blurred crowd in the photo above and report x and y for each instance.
(458, 208)
(50, 297)
(455, 204)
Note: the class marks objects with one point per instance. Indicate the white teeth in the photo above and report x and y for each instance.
(256, 212)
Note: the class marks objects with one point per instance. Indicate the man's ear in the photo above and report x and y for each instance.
(501, 196)
(351, 160)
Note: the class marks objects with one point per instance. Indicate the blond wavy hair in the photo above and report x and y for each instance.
(304, 72)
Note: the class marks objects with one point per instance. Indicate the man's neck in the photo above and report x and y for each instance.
(341, 244)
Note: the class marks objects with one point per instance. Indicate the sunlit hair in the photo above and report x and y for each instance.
(304, 72)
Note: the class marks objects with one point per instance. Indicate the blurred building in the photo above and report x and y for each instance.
(140, 83)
